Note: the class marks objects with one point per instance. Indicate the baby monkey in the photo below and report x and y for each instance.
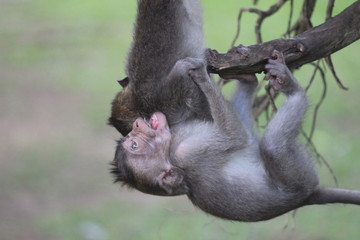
(221, 165)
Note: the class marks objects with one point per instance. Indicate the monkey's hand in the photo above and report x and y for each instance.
(196, 69)
(279, 76)
(191, 68)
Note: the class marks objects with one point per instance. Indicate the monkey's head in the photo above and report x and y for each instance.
(122, 112)
(142, 159)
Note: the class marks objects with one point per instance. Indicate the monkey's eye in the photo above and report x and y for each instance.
(134, 145)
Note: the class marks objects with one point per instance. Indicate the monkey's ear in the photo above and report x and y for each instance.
(171, 180)
(124, 82)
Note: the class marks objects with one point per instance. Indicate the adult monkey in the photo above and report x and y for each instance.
(218, 163)
(165, 32)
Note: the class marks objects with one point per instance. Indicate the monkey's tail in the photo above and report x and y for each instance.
(326, 195)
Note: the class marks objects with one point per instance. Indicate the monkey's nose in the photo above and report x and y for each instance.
(136, 123)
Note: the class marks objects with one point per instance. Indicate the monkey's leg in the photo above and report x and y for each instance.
(223, 114)
(243, 96)
(286, 161)
(242, 102)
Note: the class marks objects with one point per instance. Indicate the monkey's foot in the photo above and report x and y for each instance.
(279, 76)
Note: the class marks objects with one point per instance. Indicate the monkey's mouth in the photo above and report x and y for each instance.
(158, 121)
(154, 122)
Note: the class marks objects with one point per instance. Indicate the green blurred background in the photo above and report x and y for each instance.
(58, 64)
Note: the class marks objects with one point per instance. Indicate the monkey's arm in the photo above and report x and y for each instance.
(166, 31)
(223, 114)
(242, 98)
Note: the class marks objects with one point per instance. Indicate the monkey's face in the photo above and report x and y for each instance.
(142, 158)
(148, 137)
(147, 148)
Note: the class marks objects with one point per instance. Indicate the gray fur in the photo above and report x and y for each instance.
(211, 151)
(232, 177)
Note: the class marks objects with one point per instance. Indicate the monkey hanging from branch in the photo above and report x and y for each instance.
(183, 137)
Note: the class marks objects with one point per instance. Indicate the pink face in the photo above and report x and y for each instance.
(147, 135)
(147, 147)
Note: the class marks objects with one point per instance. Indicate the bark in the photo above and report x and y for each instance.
(315, 43)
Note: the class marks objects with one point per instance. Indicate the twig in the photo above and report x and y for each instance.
(318, 105)
(261, 17)
(237, 34)
(304, 21)
(330, 64)
(329, 9)
(271, 97)
(319, 158)
(290, 18)
(312, 76)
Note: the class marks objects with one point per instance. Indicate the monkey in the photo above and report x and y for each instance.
(169, 30)
(217, 160)
(221, 165)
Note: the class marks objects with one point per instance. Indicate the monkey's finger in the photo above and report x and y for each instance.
(274, 84)
(278, 55)
(268, 67)
(273, 62)
(268, 76)
(274, 72)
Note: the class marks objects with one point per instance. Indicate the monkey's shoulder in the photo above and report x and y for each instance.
(192, 135)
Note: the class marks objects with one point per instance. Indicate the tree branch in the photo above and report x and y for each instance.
(315, 43)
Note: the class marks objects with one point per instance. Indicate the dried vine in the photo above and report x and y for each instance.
(262, 15)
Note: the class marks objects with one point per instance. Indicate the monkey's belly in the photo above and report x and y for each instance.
(245, 165)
